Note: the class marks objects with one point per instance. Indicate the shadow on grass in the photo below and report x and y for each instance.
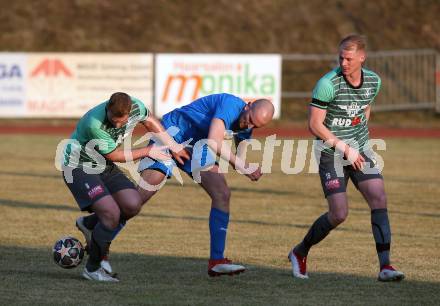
(174, 184)
(265, 191)
(72, 208)
(28, 275)
(31, 175)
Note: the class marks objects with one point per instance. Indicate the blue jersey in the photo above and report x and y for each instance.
(194, 119)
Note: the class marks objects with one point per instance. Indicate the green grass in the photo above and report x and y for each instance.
(161, 255)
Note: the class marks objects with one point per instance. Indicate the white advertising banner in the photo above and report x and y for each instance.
(182, 78)
(69, 84)
(12, 84)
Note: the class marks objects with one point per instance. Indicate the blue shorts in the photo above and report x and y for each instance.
(201, 158)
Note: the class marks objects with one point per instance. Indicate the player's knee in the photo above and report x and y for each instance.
(380, 201)
(110, 219)
(132, 207)
(221, 199)
(339, 217)
(223, 196)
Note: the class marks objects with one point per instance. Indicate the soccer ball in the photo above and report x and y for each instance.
(68, 252)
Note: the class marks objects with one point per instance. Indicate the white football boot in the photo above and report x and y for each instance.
(105, 264)
(299, 265)
(99, 275)
(224, 266)
(389, 274)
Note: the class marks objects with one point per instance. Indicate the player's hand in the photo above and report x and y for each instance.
(354, 157)
(255, 175)
(181, 156)
(158, 152)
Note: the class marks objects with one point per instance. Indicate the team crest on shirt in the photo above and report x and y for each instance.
(368, 92)
(352, 109)
(121, 138)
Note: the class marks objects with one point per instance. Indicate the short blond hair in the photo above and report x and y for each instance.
(353, 41)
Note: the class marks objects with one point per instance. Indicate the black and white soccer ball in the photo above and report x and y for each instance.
(68, 252)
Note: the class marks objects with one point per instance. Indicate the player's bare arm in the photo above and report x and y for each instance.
(367, 112)
(120, 156)
(317, 128)
(177, 150)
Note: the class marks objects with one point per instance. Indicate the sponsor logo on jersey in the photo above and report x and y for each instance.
(356, 121)
(346, 122)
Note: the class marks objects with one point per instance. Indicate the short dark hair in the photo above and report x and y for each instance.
(119, 104)
(353, 41)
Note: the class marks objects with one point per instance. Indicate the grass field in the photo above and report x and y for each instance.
(161, 256)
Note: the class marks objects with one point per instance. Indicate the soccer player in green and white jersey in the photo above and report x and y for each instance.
(338, 115)
(97, 184)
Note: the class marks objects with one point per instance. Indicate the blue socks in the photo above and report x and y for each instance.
(218, 226)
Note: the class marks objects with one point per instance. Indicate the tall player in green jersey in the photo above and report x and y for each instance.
(96, 182)
(338, 115)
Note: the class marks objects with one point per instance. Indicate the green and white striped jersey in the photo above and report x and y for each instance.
(345, 105)
(94, 125)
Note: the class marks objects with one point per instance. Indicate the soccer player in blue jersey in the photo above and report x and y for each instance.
(204, 123)
(338, 116)
(97, 184)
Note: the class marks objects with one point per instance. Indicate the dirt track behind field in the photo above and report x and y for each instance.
(283, 131)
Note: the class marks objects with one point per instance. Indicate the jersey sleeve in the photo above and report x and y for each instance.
(323, 93)
(109, 145)
(228, 110)
(144, 112)
(379, 85)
